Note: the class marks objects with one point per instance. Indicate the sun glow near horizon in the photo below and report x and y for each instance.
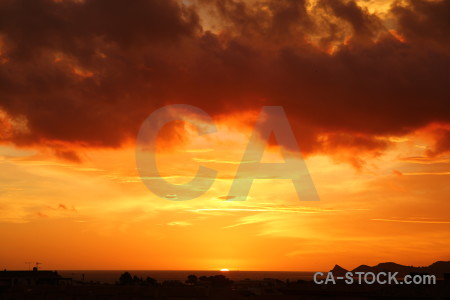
(114, 212)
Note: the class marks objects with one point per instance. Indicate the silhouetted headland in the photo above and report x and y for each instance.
(438, 268)
(338, 270)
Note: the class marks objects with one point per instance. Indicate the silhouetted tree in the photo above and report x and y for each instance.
(137, 280)
(191, 280)
(126, 279)
(172, 283)
(151, 281)
(216, 280)
(220, 281)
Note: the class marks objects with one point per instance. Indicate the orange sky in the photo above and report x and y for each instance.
(98, 214)
(365, 90)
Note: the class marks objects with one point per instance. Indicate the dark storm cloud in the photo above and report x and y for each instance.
(425, 21)
(89, 72)
(80, 71)
(363, 24)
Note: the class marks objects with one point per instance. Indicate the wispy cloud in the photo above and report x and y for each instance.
(231, 162)
(179, 223)
(288, 209)
(199, 150)
(424, 221)
(425, 173)
(424, 160)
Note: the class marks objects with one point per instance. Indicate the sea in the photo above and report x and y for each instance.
(112, 276)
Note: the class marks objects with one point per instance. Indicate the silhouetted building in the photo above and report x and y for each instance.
(32, 278)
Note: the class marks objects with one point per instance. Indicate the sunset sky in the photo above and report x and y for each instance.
(364, 84)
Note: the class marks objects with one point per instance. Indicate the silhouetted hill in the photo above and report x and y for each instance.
(438, 268)
(338, 270)
(362, 268)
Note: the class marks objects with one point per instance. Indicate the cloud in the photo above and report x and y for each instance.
(442, 143)
(424, 22)
(87, 73)
(425, 160)
(179, 223)
(286, 209)
(413, 221)
(425, 173)
(67, 155)
(69, 68)
(397, 172)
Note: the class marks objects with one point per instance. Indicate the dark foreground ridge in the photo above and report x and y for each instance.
(38, 284)
(438, 268)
